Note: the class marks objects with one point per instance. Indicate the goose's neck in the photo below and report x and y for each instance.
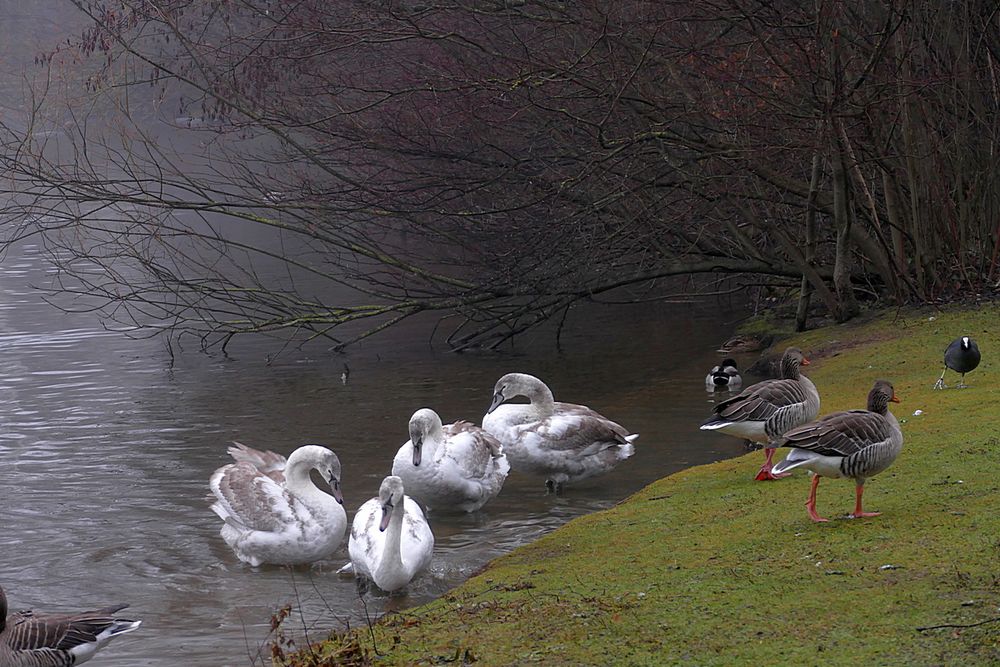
(392, 560)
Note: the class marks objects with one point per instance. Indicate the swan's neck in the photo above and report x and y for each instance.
(542, 401)
(300, 484)
(392, 560)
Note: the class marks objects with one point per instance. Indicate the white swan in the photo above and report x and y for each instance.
(458, 466)
(279, 516)
(563, 441)
(390, 539)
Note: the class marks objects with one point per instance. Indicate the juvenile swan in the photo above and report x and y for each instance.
(57, 640)
(763, 411)
(459, 466)
(281, 518)
(390, 539)
(563, 441)
(856, 443)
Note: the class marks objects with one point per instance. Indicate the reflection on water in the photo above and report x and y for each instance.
(107, 448)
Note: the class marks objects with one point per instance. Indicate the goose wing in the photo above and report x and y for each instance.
(760, 401)
(840, 433)
(250, 498)
(31, 632)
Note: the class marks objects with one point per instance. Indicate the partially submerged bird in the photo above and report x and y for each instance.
(764, 411)
(857, 443)
(28, 639)
(273, 511)
(962, 356)
(723, 376)
(391, 541)
(455, 467)
(564, 442)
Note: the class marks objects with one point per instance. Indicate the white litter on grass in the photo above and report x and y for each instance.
(917, 413)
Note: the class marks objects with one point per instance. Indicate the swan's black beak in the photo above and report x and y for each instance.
(386, 515)
(418, 448)
(497, 400)
(335, 487)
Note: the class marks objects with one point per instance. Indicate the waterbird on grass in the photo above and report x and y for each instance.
(273, 511)
(564, 442)
(962, 356)
(391, 541)
(723, 376)
(28, 639)
(857, 443)
(455, 467)
(764, 411)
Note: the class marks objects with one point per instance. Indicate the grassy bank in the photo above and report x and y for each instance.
(709, 567)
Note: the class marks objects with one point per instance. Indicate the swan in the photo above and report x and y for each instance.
(763, 411)
(280, 516)
(57, 640)
(391, 541)
(961, 356)
(563, 441)
(855, 443)
(458, 466)
(723, 376)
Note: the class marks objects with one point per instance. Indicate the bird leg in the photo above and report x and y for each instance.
(811, 502)
(552, 486)
(859, 491)
(961, 383)
(765, 470)
(940, 382)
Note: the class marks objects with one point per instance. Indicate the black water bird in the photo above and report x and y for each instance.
(962, 356)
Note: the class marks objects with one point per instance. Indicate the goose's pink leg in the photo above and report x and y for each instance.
(811, 503)
(765, 470)
(859, 491)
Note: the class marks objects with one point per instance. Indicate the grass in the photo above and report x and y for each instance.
(709, 567)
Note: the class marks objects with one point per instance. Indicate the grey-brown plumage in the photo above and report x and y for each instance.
(856, 443)
(764, 411)
(57, 640)
(962, 356)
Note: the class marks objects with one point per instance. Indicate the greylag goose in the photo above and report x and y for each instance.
(563, 441)
(764, 411)
(723, 376)
(279, 515)
(57, 640)
(856, 443)
(458, 466)
(391, 541)
(962, 356)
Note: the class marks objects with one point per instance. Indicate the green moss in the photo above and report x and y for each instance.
(710, 567)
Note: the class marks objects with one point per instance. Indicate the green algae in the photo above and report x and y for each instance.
(709, 567)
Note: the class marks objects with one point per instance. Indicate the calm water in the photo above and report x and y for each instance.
(107, 447)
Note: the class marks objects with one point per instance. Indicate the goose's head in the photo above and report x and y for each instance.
(390, 495)
(518, 384)
(324, 461)
(790, 363)
(424, 424)
(881, 395)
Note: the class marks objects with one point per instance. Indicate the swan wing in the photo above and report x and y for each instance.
(578, 429)
(252, 499)
(471, 449)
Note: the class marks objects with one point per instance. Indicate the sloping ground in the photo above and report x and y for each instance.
(709, 567)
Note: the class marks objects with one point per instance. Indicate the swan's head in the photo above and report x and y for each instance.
(517, 384)
(390, 495)
(324, 461)
(881, 395)
(425, 423)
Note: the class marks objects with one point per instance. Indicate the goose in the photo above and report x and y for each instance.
(856, 443)
(458, 466)
(723, 376)
(961, 356)
(563, 441)
(765, 410)
(57, 640)
(391, 541)
(280, 516)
